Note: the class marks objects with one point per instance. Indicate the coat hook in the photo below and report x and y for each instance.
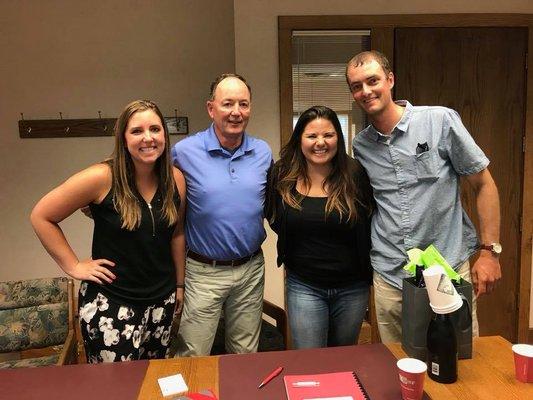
(67, 129)
(28, 129)
(60, 115)
(104, 125)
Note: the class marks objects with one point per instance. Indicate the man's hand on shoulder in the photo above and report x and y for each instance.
(86, 211)
(486, 272)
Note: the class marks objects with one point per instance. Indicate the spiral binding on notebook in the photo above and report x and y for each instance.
(360, 386)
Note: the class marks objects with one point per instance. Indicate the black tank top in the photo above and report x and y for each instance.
(321, 251)
(144, 267)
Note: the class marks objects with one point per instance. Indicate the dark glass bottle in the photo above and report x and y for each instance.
(419, 277)
(442, 349)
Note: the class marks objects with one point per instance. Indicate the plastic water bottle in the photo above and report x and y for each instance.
(442, 349)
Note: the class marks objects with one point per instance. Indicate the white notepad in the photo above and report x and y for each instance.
(173, 384)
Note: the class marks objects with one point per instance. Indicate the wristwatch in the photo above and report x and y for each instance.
(496, 248)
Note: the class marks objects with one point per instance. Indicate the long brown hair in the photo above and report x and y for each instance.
(347, 184)
(125, 195)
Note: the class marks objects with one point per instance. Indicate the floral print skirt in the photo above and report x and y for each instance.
(114, 330)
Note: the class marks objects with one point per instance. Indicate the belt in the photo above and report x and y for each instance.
(233, 263)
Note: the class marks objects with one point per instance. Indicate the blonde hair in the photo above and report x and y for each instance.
(125, 195)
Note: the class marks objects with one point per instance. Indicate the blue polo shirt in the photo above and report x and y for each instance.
(225, 194)
(417, 190)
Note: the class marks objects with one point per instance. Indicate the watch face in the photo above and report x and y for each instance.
(497, 248)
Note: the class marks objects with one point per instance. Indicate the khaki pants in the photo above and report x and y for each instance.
(388, 301)
(207, 290)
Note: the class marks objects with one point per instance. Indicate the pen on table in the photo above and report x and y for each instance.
(272, 375)
(306, 384)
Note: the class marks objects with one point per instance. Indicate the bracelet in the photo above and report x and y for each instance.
(180, 286)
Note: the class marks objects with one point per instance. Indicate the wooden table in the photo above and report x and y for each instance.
(199, 373)
(488, 375)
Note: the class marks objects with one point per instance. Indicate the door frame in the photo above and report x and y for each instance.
(382, 38)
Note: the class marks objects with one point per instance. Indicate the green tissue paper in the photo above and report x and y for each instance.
(430, 256)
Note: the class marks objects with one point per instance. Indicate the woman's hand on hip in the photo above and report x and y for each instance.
(94, 270)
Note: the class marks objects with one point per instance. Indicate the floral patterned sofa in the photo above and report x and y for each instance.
(36, 323)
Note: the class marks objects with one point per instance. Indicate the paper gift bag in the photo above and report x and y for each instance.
(416, 314)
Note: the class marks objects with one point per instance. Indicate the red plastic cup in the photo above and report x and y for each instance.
(411, 373)
(523, 362)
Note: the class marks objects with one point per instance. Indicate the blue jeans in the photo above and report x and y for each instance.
(325, 317)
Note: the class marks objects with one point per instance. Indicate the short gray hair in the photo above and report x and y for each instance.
(220, 78)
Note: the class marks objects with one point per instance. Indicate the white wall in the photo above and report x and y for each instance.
(256, 57)
(79, 57)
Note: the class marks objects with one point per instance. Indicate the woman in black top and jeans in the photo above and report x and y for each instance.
(319, 204)
(134, 281)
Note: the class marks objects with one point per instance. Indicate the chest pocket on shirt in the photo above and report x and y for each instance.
(426, 165)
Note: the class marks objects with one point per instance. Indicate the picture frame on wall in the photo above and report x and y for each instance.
(177, 125)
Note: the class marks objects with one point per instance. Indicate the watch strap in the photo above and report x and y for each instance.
(495, 248)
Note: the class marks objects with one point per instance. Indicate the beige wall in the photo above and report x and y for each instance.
(256, 57)
(80, 57)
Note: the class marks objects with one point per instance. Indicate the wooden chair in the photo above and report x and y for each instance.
(371, 318)
(279, 315)
(36, 323)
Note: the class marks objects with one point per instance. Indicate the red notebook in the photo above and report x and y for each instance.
(332, 386)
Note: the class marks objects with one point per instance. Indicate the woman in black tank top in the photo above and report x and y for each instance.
(133, 283)
(319, 204)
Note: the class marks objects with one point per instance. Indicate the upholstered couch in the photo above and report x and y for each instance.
(36, 323)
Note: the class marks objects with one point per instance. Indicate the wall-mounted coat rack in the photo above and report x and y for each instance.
(62, 128)
(55, 128)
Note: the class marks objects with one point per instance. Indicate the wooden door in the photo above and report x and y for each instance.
(480, 72)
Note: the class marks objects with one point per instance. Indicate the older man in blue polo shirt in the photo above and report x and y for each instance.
(415, 157)
(225, 170)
